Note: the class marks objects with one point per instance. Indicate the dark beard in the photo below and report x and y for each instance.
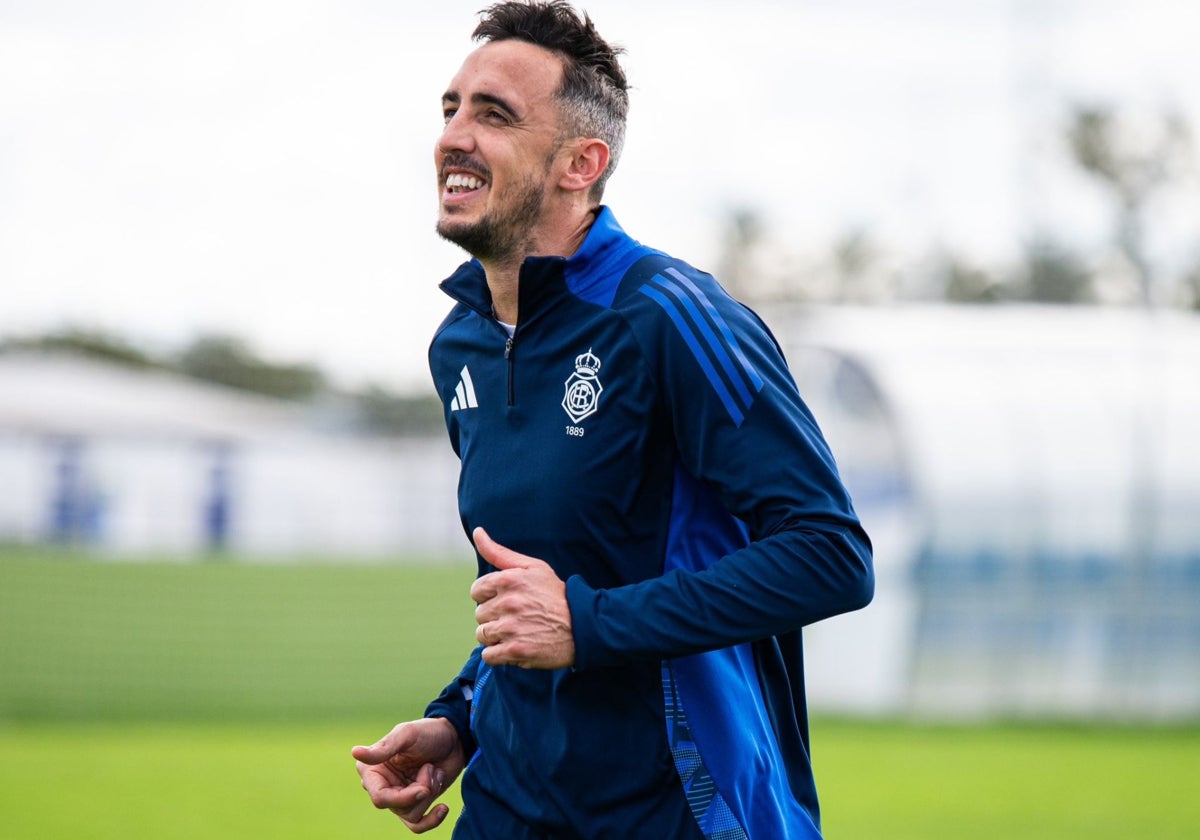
(497, 237)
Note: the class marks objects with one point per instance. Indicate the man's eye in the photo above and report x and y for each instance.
(496, 117)
(448, 114)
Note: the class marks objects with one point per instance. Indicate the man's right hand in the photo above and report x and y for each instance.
(409, 768)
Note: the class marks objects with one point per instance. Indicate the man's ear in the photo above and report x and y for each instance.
(587, 162)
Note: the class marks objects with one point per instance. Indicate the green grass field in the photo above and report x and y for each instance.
(245, 780)
(201, 700)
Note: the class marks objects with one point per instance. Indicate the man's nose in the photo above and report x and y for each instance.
(456, 136)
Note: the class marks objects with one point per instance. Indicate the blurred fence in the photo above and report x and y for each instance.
(88, 640)
(1084, 636)
(1030, 478)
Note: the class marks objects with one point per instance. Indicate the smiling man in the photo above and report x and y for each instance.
(498, 151)
(654, 510)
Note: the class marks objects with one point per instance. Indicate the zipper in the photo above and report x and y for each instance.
(508, 356)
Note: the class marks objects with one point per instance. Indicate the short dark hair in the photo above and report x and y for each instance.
(594, 95)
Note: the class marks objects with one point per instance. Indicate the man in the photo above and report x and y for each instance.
(655, 512)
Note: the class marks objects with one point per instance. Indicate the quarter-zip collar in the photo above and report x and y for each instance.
(543, 279)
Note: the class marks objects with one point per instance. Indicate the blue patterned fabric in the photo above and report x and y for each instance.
(708, 806)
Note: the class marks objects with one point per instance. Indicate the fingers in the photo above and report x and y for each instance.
(367, 755)
(503, 559)
(502, 646)
(488, 608)
(401, 737)
(485, 545)
(498, 555)
(383, 791)
(492, 633)
(409, 768)
(407, 801)
(415, 816)
(508, 653)
(484, 589)
(435, 817)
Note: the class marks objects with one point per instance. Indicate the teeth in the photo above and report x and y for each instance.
(462, 182)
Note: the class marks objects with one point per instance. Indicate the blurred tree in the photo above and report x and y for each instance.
(387, 413)
(963, 282)
(741, 239)
(854, 257)
(227, 361)
(1134, 161)
(1052, 273)
(760, 269)
(91, 343)
(1191, 288)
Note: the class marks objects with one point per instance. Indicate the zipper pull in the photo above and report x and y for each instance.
(508, 346)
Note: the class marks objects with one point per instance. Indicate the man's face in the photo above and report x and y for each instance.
(495, 155)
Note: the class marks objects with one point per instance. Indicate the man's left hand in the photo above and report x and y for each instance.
(523, 614)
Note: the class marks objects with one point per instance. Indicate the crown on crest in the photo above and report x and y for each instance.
(586, 364)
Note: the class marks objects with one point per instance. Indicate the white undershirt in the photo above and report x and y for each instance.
(511, 329)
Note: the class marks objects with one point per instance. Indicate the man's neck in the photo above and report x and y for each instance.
(504, 274)
(503, 279)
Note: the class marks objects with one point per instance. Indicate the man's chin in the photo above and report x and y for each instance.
(452, 229)
(472, 238)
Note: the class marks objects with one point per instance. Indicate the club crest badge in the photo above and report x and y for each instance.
(583, 388)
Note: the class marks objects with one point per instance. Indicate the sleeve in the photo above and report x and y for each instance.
(454, 703)
(753, 461)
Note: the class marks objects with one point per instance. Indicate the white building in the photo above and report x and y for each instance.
(132, 463)
(1031, 478)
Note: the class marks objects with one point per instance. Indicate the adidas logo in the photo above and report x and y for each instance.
(464, 394)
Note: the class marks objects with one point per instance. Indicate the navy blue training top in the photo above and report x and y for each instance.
(641, 433)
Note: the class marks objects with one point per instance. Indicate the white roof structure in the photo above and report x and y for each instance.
(58, 394)
(131, 462)
(1016, 427)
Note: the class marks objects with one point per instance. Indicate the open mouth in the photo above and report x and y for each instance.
(458, 183)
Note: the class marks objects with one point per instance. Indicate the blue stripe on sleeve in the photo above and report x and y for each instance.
(693, 343)
(711, 341)
(723, 326)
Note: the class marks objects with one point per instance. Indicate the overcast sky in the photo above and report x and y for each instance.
(264, 167)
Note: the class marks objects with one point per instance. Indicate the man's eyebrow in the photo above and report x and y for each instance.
(453, 98)
(492, 99)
